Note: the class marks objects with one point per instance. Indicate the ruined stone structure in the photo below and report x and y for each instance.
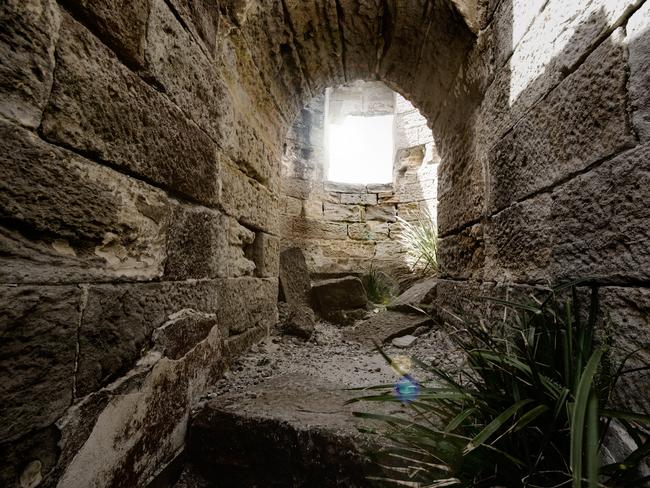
(141, 147)
(348, 228)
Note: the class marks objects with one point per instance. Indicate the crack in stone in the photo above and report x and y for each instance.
(83, 302)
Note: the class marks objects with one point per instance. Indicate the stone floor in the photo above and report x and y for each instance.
(281, 409)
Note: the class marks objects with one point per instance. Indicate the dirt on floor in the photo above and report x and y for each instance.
(329, 356)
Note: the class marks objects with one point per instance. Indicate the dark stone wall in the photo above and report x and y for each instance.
(141, 152)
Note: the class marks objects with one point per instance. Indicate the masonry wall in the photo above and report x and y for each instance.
(349, 228)
(141, 149)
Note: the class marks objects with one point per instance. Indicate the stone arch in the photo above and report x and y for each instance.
(140, 170)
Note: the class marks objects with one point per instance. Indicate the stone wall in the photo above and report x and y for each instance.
(347, 228)
(141, 149)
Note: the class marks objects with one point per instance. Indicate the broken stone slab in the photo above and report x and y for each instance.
(420, 295)
(404, 342)
(295, 284)
(297, 320)
(385, 326)
(292, 430)
(332, 296)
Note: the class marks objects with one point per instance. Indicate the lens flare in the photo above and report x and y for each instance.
(402, 365)
(407, 389)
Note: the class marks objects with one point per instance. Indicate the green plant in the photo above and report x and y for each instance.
(420, 240)
(377, 286)
(530, 410)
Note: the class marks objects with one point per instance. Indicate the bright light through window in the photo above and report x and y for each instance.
(361, 150)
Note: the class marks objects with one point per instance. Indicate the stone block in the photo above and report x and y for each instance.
(600, 221)
(369, 231)
(247, 200)
(381, 213)
(312, 209)
(518, 242)
(302, 228)
(291, 206)
(247, 303)
(240, 240)
(142, 419)
(295, 284)
(30, 31)
(265, 253)
(322, 54)
(121, 27)
(334, 187)
(339, 294)
(197, 244)
(182, 332)
(638, 45)
(298, 188)
(93, 224)
(176, 62)
(626, 327)
(385, 326)
(462, 255)
(390, 250)
(582, 121)
(118, 321)
(99, 107)
(39, 327)
(342, 213)
(202, 19)
(359, 198)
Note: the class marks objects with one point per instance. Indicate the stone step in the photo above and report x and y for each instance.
(290, 431)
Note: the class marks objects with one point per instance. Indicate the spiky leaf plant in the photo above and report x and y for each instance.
(420, 240)
(529, 411)
(377, 286)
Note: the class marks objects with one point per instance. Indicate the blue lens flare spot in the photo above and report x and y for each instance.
(407, 389)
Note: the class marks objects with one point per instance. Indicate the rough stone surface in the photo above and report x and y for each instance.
(385, 326)
(294, 277)
(339, 294)
(639, 60)
(95, 223)
(404, 342)
(99, 107)
(29, 34)
(319, 442)
(418, 295)
(297, 320)
(121, 27)
(37, 358)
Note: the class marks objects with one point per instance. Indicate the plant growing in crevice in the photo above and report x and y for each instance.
(420, 241)
(377, 286)
(530, 410)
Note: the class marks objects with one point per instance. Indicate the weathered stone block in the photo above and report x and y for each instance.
(462, 255)
(627, 326)
(342, 213)
(197, 243)
(247, 303)
(321, 54)
(359, 198)
(202, 19)
(182, 332)
(312, 209)
(292, 206)
(583, 120)
(118, 321)
(518, 242)
(99, 107)
(369, 231)
(265, 252)
(39, 326)
(176, 61)
(247, 200)
(638, 44)
(295, 283)
(417, 211)
(240, 240)
(30, 31)
(381, 213)
(334, 187)
(600, 223)
(339, 294)
(313, 229)
(122, 27)
(93, 224)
